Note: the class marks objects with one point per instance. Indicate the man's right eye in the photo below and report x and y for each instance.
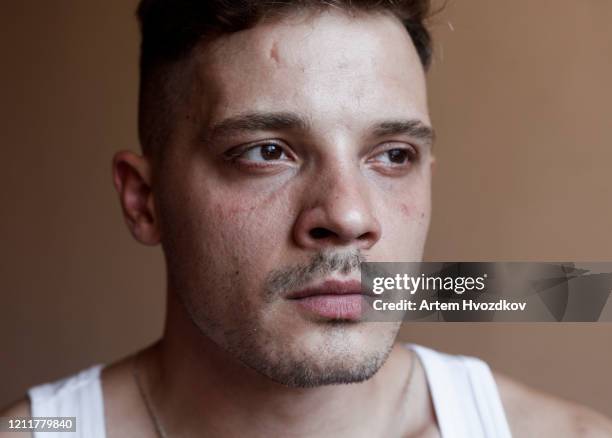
(264, 152)
(258, 153)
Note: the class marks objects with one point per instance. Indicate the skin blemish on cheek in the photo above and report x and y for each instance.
(235, 211)
(239, 210)
(406, 210)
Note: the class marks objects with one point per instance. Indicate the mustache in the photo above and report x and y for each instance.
(320, 265)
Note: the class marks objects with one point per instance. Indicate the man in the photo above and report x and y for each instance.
(284, 143)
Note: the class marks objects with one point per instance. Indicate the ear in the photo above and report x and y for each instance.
(432, 164)
(132, 179)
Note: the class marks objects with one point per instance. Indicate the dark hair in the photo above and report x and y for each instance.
(172, 28)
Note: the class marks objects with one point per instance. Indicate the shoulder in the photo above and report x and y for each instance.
(533, 413)
(118, 394)
(20, 408)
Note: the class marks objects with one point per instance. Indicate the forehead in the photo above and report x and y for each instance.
(329, 66)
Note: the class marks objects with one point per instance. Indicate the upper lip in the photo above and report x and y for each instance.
(329, 287)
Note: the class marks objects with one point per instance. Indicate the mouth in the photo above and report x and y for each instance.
(332, 299)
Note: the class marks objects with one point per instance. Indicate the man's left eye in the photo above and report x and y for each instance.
(395, 156)
(264, 152)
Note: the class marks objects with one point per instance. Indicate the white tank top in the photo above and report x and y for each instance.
(464, 394)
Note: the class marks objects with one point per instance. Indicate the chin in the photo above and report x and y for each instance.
(331, 353)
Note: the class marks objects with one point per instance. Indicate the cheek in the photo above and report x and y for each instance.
(223, 247)
(408, 210)
(244, 234)
(246, 220)
(415, 210)
(412, 217)
(412, 207)
(405, 224)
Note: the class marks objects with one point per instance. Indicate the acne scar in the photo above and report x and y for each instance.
(274, 53)
(405, 209)
(231, 212)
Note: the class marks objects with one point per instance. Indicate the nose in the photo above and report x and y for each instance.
(337, 213)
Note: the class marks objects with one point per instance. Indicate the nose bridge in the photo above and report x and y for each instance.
(342, 191)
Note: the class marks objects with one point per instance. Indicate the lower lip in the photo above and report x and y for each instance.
(347, 306)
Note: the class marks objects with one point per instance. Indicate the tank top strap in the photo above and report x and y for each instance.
(464, 394)
(79, 396)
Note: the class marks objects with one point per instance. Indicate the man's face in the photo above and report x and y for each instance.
(303, 149)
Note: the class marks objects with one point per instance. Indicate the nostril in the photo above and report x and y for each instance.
(320, 233)
(366, 236)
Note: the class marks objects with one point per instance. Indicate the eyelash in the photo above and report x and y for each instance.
(234, 155)
(412, 154)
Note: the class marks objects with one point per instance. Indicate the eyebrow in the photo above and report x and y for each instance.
(273, 121)
(276, 121)
(412, 127)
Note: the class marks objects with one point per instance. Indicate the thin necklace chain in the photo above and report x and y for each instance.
(159, 428)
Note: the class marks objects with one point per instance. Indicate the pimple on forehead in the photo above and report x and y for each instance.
(274, 56)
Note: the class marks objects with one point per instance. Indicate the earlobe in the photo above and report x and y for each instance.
(132, 179)
(432, 163)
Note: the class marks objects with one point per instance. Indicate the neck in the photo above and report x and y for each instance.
(197, 388)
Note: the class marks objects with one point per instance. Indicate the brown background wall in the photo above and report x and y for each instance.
(520, 95)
